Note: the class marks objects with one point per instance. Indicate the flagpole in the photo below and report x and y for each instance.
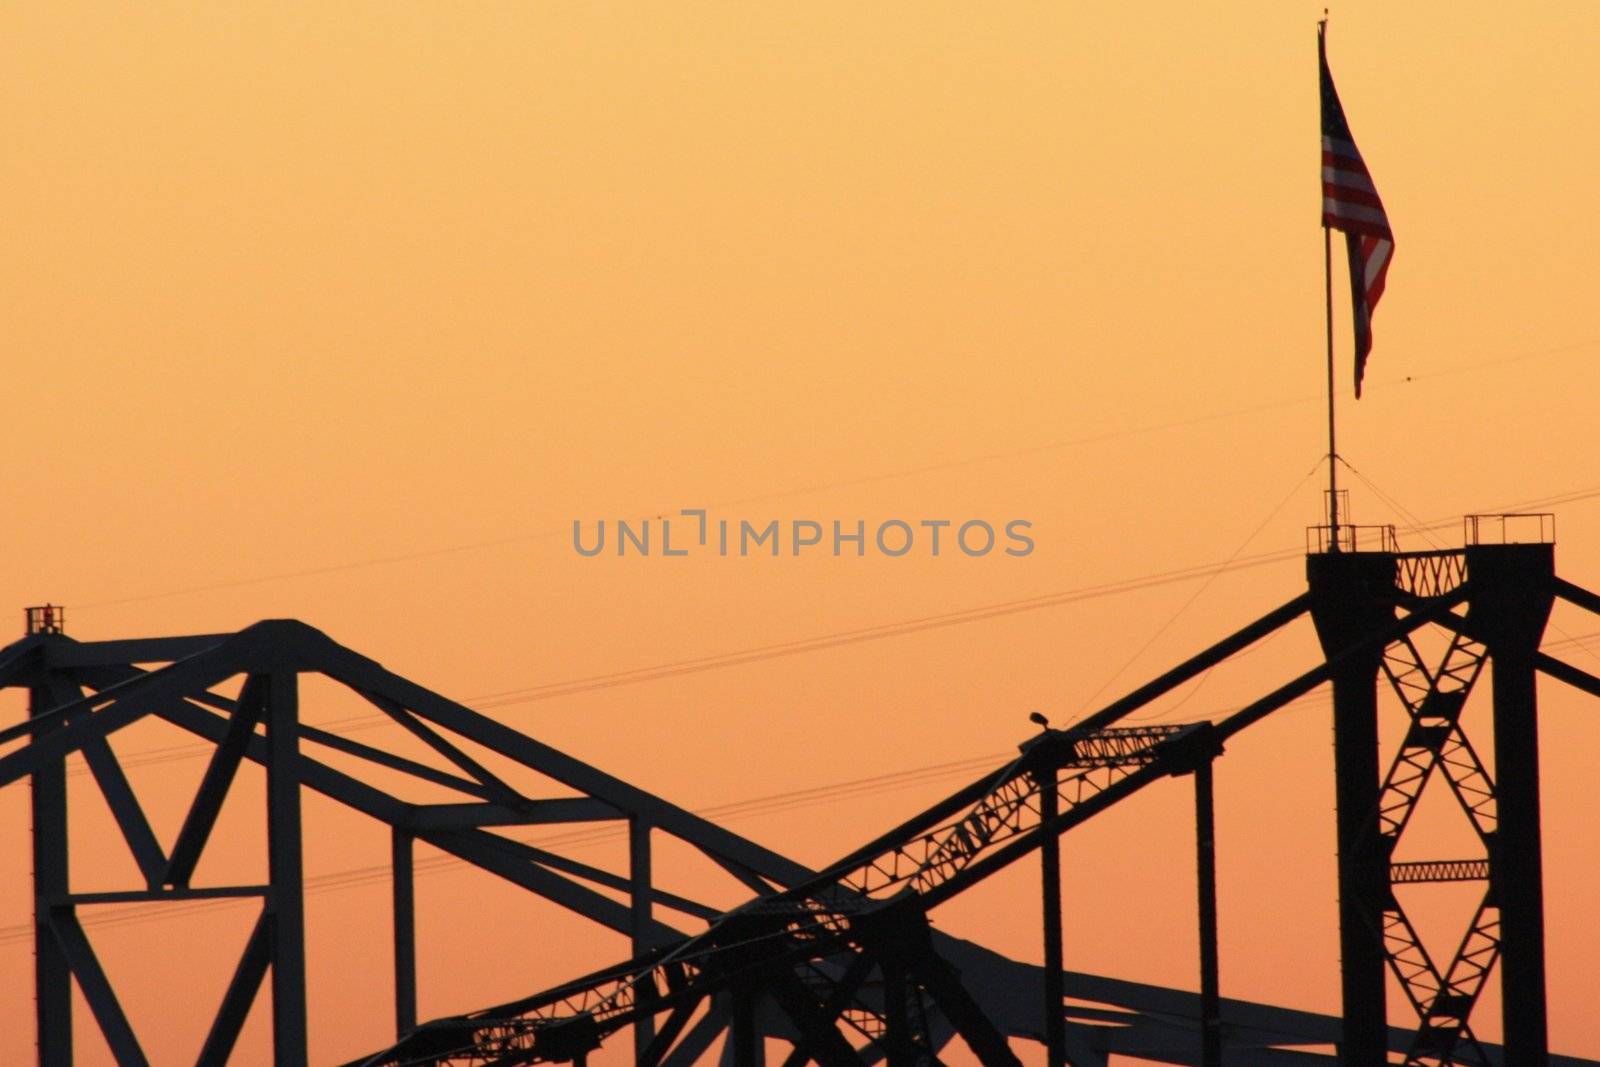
(1333, 451)
(1327, 291)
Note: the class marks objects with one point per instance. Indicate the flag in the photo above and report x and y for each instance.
(1350, 203)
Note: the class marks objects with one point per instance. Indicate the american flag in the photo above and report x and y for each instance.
(1350, 203)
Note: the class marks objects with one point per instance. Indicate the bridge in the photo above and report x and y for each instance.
(840, 963)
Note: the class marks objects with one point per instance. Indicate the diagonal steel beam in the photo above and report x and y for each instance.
(699, 1039)
(126, 809)
(485, 777)
(127, 702)
(96, 988)
(389, 760)
(499, 857)
(944, 985)
(365, 675)
(218, 779)
(331, 783)
(1566, 672)
(652, 1054)
(240, 995)
(1578, 595)
(821, 1038)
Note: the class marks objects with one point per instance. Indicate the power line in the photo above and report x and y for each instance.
(571, 839)
(870, 479)
(587, 837)
(740, 657)
(760, 653)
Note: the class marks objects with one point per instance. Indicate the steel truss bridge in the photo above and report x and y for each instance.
(841, 963)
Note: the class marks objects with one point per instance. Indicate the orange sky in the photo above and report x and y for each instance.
(345, 314)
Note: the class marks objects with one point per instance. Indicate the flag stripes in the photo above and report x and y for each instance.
(1350, 203)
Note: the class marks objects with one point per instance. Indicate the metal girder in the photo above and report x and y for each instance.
(112, 709)
(1503, 621)
(52, 974)
(218, 779)
(240, 995)
(286, 900)
(822, 1039)
(486, 778)
(977, 831)
(698, 1039)
(96, 987)
(389, 760)
(955, 844)
(68, 654)
(1439, 871)
(126, 809)
(527, 813)
(661, 1042)
(1442, 999)
(367, 676)
(271, 656)
(975, 1028)
(1565, 672)
(534, 870)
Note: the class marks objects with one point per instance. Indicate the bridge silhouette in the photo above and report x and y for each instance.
(840, 963)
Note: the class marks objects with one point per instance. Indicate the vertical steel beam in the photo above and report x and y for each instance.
(639, 906)
(405, 931)
(52, 977)
(285, 873)
(747, 1046)
(1352, 598)
(1205, 837)
(1055, 1022)
(899, 1049)
(1512, 590)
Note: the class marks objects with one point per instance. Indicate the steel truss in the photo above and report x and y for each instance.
(1433, 700)
(866, 914)
(84, 692)
(840, 963)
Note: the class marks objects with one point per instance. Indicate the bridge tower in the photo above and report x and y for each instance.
(1358, 581)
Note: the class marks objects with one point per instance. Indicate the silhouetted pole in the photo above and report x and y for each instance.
(1206, 876)
(1333, 449)
(1327, 301)
(1055, 1024)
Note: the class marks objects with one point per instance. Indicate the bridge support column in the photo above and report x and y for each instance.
(287, 897)
(52, 977)
(1205, 836)
(1512, 590)
(745, 1046)
(1055, 1023)
(405, 932)
(1352, 598)
(639, 913)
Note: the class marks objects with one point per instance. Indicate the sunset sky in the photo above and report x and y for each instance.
(347, 312)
